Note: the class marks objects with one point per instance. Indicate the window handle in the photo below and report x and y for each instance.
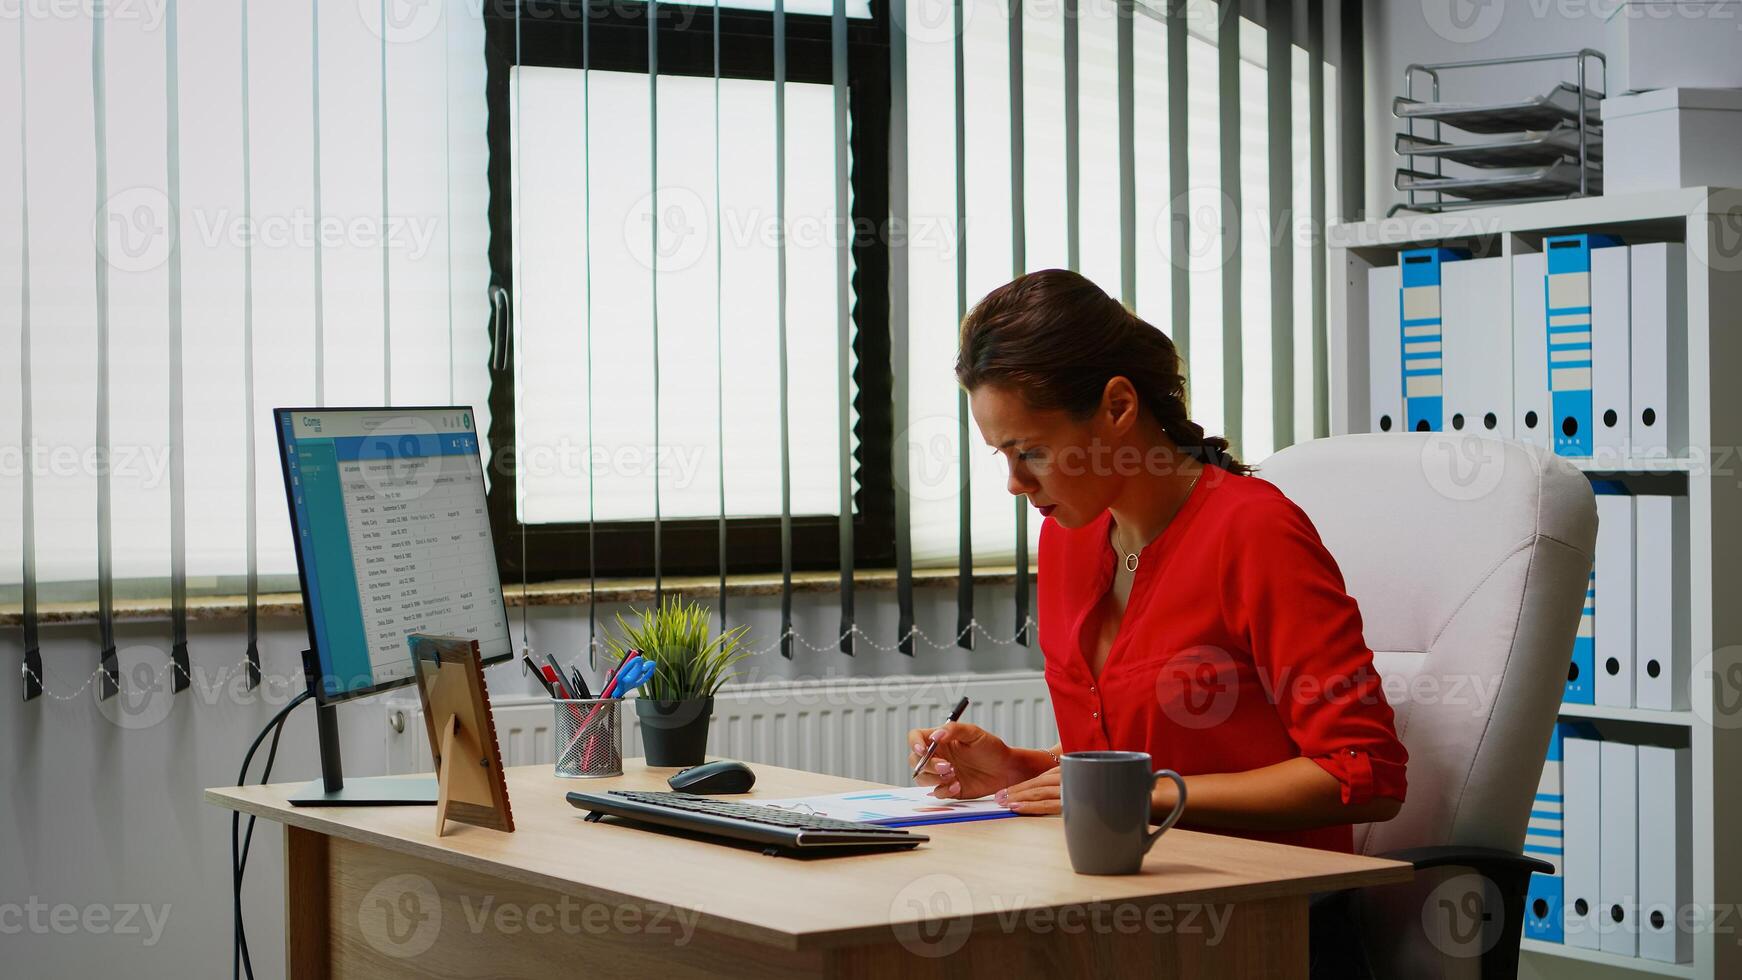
(500, 323)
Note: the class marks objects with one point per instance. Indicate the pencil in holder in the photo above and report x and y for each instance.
(588, 735)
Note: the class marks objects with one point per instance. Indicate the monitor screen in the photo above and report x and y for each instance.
(392, 536)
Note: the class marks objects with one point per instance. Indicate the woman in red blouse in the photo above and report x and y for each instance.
(1187, 608)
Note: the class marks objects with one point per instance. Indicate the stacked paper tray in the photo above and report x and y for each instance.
(1553, 180)
(1543, 112)
(1524, 150)
(1531, 149)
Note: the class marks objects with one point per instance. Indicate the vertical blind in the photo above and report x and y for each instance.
(1201, 225)
(218, 207)
(235, 206)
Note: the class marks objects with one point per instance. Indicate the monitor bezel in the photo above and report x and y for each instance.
(319, 686)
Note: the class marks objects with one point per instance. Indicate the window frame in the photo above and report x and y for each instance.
(550, 36)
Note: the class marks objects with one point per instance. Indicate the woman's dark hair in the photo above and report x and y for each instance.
(1056, 338)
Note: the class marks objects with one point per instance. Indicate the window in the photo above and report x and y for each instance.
(345, 296)
(619, 241)
(933, 442)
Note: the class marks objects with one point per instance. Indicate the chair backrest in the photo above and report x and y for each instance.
(1469, 558)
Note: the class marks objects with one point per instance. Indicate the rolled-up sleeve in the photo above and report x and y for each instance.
(1285, 595)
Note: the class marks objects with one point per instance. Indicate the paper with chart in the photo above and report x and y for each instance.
(895, 806)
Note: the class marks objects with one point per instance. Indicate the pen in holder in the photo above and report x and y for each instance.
(588, 737)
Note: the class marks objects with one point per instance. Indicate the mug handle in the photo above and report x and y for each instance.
(1178, 808)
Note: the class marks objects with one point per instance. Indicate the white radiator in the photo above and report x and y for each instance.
(845, 727)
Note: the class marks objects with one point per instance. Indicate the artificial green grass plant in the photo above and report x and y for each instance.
(688, 664)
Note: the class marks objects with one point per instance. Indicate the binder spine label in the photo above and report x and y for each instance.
(1420, 337)
(1567, 302)
(1581, 675)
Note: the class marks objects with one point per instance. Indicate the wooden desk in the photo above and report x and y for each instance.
(372, 892)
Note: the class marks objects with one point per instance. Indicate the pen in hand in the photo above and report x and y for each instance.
(932, 746)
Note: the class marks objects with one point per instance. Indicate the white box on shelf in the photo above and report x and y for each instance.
(1675, 137)
(1655, 44)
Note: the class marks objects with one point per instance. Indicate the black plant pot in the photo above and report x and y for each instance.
(674, 733)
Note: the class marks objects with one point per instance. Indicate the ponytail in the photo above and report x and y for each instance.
(1057, 338)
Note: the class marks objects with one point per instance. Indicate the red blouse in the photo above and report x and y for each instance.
(1239, 648)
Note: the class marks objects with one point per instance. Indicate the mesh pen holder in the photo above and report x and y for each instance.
(588, 737)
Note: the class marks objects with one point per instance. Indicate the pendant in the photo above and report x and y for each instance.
(1131, 562)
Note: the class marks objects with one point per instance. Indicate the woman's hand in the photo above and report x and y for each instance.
(969, 762)
(1037, 797)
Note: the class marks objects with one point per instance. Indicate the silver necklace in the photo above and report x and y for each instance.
(1131, 557)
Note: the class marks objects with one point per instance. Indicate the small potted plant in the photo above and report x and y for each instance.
(676, 703)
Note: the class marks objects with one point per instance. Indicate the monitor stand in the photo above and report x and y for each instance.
(333, 789)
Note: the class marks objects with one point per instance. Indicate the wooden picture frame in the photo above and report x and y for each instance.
(471, 786)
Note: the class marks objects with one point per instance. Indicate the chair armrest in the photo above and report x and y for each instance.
(1490, 861)
(1508, 871)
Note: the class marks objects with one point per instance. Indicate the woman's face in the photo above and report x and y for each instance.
(1063, 465)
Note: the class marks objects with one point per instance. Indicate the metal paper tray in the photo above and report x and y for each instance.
(1557, 179)
(1539, 113)
(1530, 150)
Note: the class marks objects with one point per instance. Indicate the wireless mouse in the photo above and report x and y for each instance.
(720, 776)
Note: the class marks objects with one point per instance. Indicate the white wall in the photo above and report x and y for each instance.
(1404, 32)
(103, 802)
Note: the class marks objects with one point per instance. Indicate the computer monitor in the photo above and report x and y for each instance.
(392, 531)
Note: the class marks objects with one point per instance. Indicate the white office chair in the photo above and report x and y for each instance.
(1469, 558)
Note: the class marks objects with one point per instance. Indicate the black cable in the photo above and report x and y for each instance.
(239, 960)
(248, 844)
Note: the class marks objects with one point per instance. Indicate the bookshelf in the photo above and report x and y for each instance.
(1708, 221)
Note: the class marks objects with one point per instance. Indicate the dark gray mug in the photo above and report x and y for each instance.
(1105, 798)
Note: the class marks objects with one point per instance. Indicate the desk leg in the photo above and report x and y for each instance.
(307, 906)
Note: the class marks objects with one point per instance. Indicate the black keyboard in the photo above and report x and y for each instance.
(777, 831)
